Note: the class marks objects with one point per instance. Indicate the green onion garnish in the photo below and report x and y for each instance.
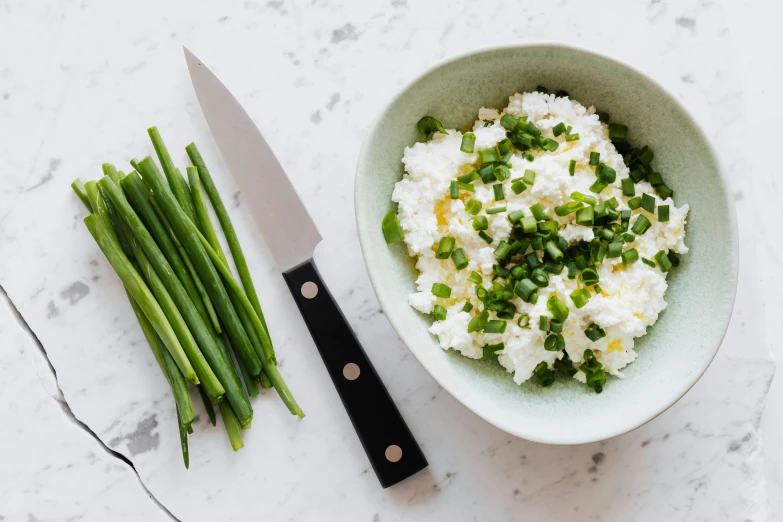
(663, 260)
(473, 206)
(508, 122)
(555, 253)
(648, 262)
(527, 291)
(529, 225)
(550, 145)
(558, 309)
(585, 216)
(515, 216)
(498, 190)
(572, 167)
(636, 174)
(617, 132)
(439, 312)
(538, 212)
(468, 142)
(630, 256)
(459, 258)
(580, 296)
(539, 277)
(478, 322)
(606, 174)
(612, 203)
(501, 272)
(470, 176)
(635, 203)
(645, 155)
(507, 158)
(568, 208)
(589, 276)
(663, 213)
(488, 155)
(441, 290)
(454, 189)
(529, 176)
(486, 237)
(664, 191)
(487, 173)
(544, 375)
(528, 156)
(466, 186)
(501, 173)
(641, 225)
(559, 129)
(543, 323)
(504, 147)
(555, 326)
(475, 277)
(578, 196)
(654, 178)
(594, 332)
(428, 126)
(614, 249)
(554, 343)
(519, 272)
(572, 137)
(490, 349)
(595, 158)
(598, 186)
(503, 250)
(480, 223)
(482, 294)
(518, 186)
(392, 231)
(496, 210)
(468, 307)
(648, 203)
(628, 187)
(445, 247)
(495, 327)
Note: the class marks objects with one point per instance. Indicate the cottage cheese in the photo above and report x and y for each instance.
(632, 297)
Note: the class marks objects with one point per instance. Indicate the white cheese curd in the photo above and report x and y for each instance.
(630, 298)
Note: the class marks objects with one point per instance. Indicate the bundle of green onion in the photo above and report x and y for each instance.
(158, 236)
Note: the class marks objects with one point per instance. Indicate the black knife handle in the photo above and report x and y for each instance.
(389, 444)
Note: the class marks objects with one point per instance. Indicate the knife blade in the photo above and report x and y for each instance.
(292, 236)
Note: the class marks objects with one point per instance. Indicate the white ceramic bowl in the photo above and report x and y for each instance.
(677, 349)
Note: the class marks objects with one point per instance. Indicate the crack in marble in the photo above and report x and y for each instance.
(66, 408)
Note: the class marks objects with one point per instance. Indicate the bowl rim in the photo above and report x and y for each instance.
(456, 392)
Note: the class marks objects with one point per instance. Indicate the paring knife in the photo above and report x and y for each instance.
(292, 237)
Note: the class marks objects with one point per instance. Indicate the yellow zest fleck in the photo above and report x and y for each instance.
(615, 346)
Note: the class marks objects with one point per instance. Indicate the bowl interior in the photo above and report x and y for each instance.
(676, 350)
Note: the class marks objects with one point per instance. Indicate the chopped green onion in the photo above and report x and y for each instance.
(498, 190)
(607, 174)
(636, 174)
(618, 132)
(496, 210)
(482, 294)
(473, 206)
(445, 246)
(478, 322)
(539, 277)
(468, 142)
(523, 321)
(580, 296)
(508, 122)
(589, 276)
(486, 237)
(594, 372)
(503, 250)
(598, 186)
(543, 323)
(648, 262)
(501, 173)
(578, 196)
(441, 290)
(428, 126)
(572, 167)
(664, 191)
(507, 158)
(490, 349)
(527, 290)
(487, 173)
(488, 155)
(585, 216)
(454, 189)
(467, 307)
(628, 238)
(612, 203)
(528, 156)
(572, 270)
(439, 312)
(538, 212)
(392, 231)
(552, 267)
(529, 225)
(515, 216)
(466, 186)
(654, 178)
(595, 158)
(558, 309)
(568, 208)
(645, 155)
(531, 260)
(554, 343)
(597, 289)
(648, 203)
(594, 332)
(519, 272)
(603, 117)
(480, 223)
(555, 253)
(635, 203)
(544, 375)
(459, 258)
(630, 256)
(663, 260)
(501, 272)
(550, 145)
(663, 213)
(475, 277)
(537, 243)
(556, 326)
(504, 147)
(518, 186)
(559, 129)
(641, 225)
(572, 137)
(529, 176)
(628, 187)
(495, 327)
(470, 176)
(614, 249)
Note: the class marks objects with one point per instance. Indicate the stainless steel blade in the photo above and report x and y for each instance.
(283, 220)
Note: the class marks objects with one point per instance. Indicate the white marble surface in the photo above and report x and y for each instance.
(81, 83)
